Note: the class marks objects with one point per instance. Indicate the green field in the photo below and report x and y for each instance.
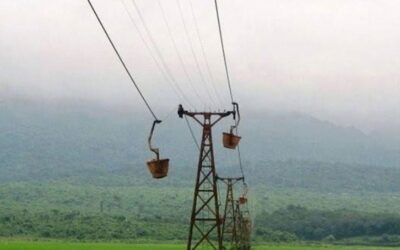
(25, 245)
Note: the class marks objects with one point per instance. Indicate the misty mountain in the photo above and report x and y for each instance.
(62, 139)
(302, 137)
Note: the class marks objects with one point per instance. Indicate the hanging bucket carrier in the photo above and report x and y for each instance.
(157, 167)
(230, 140)
(243, 198)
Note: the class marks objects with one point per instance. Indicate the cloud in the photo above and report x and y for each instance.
(337, 60)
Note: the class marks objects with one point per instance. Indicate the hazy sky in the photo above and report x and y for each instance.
(337, 60)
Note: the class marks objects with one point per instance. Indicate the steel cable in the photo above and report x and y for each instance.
(167, 69)
(204, 54)
(223, 50)
(193, 53)
(122, 61)
(177, 90)
(228, 80)
(177, 51)
(241, 164)
(192, 133)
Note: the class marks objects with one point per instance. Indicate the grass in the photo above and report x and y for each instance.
(320, 247)
(16, 245)
(27, 245)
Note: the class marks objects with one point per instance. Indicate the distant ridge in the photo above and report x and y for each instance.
(85, 136)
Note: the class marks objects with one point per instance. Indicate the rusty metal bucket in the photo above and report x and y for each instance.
(158, 168)
(242, 200)
(230, 140)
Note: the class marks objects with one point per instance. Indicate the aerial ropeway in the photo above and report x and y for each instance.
(209, 227)
(157, 166)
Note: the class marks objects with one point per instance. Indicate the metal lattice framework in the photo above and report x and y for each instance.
(205, 223)
(244, 226)
(239, 223)
(230, 229)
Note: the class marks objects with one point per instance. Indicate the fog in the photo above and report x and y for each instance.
(336, 60)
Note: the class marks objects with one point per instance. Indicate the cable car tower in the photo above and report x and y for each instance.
(244, 226)
(205, 223)
(230, 227)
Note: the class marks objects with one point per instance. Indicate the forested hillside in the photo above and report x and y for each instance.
(78, 171)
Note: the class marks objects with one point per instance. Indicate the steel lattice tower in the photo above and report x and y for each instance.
(244, 227)
(239, 224)
(205, 223)
(230, 229)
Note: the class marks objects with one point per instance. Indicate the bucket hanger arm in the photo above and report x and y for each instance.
(235, 112)
(155, 150)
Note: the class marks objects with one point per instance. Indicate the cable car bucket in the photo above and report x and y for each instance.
(157, 167)
(243, 198)
(230, 140)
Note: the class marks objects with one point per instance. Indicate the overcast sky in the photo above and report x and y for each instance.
(337, 60)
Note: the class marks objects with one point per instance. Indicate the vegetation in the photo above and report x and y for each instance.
(154, 211)
(80, 176)
(77, 226)
(296, 222)
(290, 224)
(25, 245)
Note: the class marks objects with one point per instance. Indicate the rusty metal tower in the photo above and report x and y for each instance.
(239, 224)
(205, 222)
(230, 229)
(244, 225)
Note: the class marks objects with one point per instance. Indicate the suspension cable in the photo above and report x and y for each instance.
(156, 48)
(192, 133)
(223, 50)
(192, 51)
(204, 53)
(122, 61)
(239, 155)
(175, 87)
(241, 164)
(178, 53)
(229, 81)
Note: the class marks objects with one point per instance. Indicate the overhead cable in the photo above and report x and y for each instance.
(175, 86)
(193, 53)
(204, 53)
(223, 50)
(156, 48)
(228, 80)
(122, 61)
(183, 65)
(241, 164)
(192, 133)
